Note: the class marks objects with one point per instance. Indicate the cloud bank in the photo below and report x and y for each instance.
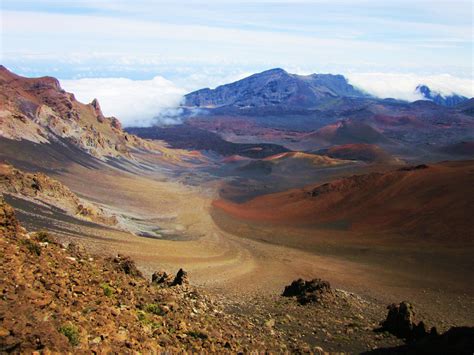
(402, 86)
(133, 102)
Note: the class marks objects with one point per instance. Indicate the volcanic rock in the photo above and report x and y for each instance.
(126, 265)
(54, 302)
(161, 278)
(313, 291)
(181, 278)
(401, 322)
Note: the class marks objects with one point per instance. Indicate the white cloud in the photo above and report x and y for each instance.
(133, 102)
(402, 86)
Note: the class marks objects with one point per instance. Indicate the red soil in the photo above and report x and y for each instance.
(435, 201)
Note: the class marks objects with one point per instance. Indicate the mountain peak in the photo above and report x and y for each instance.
(273, 71)
(275, 88)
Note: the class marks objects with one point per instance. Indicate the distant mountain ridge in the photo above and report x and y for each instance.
(443, 100)
(275, 87)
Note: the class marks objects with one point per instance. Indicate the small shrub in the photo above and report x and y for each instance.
(145, 319)
(155, 309)
(71, 333)
(108, 290)
(43, 237)
(32, 247)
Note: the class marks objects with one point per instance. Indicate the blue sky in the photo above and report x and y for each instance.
(142, 38)
(206, 43)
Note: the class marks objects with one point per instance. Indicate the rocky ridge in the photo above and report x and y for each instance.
(42, 189)
(39, 110)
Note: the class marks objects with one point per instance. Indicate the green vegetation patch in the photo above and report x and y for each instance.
(71, 333)
(147, 320)
(108, 290)
(154, 309)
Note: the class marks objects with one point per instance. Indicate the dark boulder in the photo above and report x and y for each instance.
(126, 265)
(457, 340)
(181, 278)
(313, 291)
(401, 322)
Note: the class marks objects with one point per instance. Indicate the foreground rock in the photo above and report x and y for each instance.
(401, 321)
(164, 279)
(456, 340)
(313, 291)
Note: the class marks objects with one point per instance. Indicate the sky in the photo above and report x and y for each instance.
(155, 51)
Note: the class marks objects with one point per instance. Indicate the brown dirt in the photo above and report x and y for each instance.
(429, 203)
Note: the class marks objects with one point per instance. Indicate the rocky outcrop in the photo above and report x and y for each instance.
(401, 321)
(181, 278)
(43, 189)
(162, 278)
(127, 265)
(313, 291)
(98, 111)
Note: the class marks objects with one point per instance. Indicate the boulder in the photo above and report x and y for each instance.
(401, 322)
(313, 291)
(161, 278)
(181, 278)
(165, 279)
(126, 265)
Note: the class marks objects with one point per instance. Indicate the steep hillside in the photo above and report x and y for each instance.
(40, 111)
(424, 201)
(42, 189)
